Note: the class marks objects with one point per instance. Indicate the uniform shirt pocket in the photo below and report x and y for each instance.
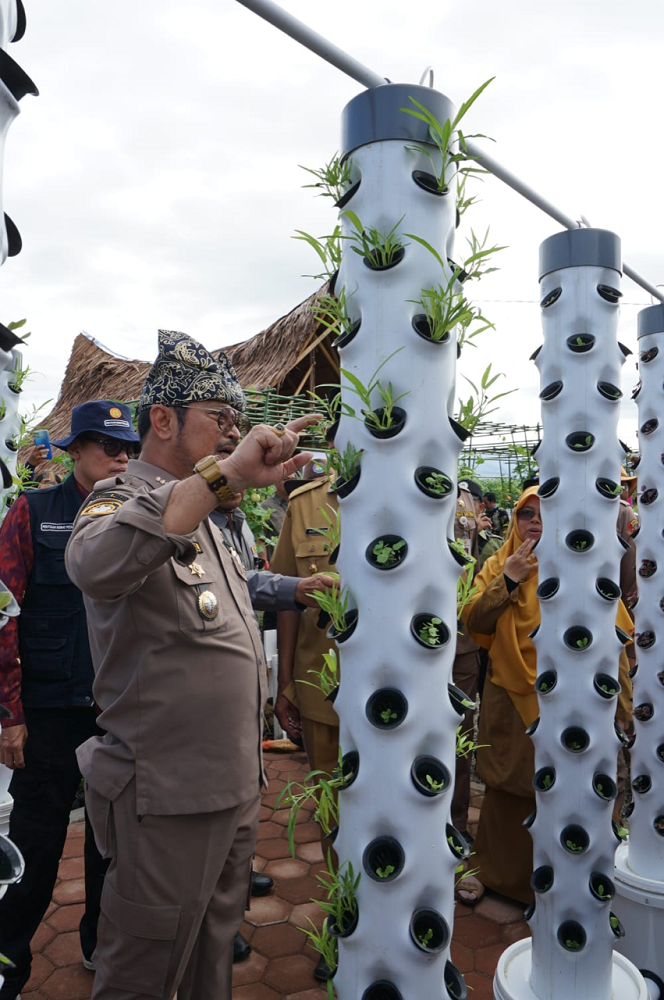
(311, 556)
(201, 600)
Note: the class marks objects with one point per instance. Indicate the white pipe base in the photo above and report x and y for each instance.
(639, 904)
(512, 979)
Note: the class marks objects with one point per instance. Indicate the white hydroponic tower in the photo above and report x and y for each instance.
(639, 874)
(571, 953)
(389, 814)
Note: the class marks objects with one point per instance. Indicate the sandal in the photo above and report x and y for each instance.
(469, 891)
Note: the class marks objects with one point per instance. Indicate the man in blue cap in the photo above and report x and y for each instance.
(46, 677)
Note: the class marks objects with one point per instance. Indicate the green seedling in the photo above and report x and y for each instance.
(334, 601)
(332, 179)
(384, 420)
(429, 632)
(345, 463)
(328, 675)
(379, 249)
(582, 643)
(317, 787)
(331, 311)
(572, 945)
(584, 444)
(615, 923)
(327, 947)
(340, 886)
(386, 871)
(387, 715)
(386, 553)
(602, 893)
(438, 483)
(547, 781)
(328, 249)
(457, 848)
(572, 846)
(425, 937)
(434, 785)
(465, 745)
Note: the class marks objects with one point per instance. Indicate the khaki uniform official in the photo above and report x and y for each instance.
(300, 552)
(465, 671)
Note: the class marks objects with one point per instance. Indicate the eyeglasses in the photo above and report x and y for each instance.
(227, 417)
(528, 513)
(112, 447)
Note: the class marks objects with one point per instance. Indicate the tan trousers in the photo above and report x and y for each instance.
(174, 895)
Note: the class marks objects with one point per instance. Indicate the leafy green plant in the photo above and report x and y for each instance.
(386, 554)
(378, 421)
(547, 781)
(387, 715)
(425, 937)
(569, 943)
(341, 889)
(478, 406)
(456, 847)
(328, 675)
(445, 307)
(18, 376)
(466, 590)
(429, 631)
(379, 249)
(438, 483)
(3, 409)
(386, 871)
(258, 517)
(572, 846)
(334, 601)
(582, 643)
(584, 444)
(317, 787)
(345, 463)
(327, 947)
(443, 135)
(332, 179)
(333, 530)
(331, 311)
(602, 893)
(434, 785)
(328, 249)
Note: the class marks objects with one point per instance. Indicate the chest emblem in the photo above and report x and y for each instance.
(196, 570)
(208, 605)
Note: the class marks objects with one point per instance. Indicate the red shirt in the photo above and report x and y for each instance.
(17, 560)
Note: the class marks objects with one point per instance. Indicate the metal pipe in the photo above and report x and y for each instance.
(311, 40)
(290, 25)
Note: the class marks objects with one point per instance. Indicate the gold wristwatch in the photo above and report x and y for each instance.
(208, 468)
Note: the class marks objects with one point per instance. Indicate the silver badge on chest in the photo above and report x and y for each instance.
(208, 605)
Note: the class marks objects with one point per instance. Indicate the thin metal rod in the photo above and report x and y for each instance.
(290, 25)
(507, 177)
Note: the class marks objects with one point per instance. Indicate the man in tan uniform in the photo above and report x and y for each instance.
(173, 788)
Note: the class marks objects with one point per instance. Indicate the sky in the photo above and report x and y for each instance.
(155, 180)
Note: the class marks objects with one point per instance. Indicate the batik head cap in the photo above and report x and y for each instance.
(185, 372)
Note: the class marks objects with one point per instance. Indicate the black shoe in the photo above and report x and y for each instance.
(261, 884)
(322, 972)
(241, 948)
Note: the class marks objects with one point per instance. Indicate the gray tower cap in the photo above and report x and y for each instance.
(580, 248)
(374, 115)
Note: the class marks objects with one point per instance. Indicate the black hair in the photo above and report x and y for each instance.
(143, 422)
(490, 496)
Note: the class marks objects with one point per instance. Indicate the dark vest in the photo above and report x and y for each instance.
(56, 666)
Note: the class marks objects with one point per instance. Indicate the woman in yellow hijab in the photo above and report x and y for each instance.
(500, 617)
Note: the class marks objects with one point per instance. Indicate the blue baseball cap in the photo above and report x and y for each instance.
(101, 416)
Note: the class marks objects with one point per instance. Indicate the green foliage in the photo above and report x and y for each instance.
(384, 420)
(437, 482)
(478, 406)
(333, 530)
(16, 325)
(430, 633)
(379, 249)
(332, 179)
(331, 311)
(465, 745)
(425, 937)
(257, 516)
(341, 893)
(386, 555)
(319, 787)
(385, 872)
(334, 601)
(387, 715)
(572, 846)
(18, 376)
(547, 781)
(345, 463)
(328, 249)
(328, 675)
(434, 785)
(444, 135)
(327, 947)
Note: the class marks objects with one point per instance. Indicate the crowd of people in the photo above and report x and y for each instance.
(137, 665)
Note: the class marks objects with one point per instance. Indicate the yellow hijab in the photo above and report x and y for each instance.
(513, 655)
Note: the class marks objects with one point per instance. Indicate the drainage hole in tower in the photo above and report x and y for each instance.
(383, 859)
(581, 343)
(604, 786)
(382, 989)
(644, 712)
(645, 357)
(454, 983)
(430, 631)
(647, 568)
(606, 686)
(574, 839)
(607, 589)
(642, 784)
(544, 779)
(602, 887)
(546, 681)
(648, 496)
(386, 551)
(550, 391)
(609, 390)
(428, 182)
(571, 935)
(649, 426)
(345, 337)
(551, 297)
(626, 741)
(548, 488)
(433, 482)
(575, 739)
(578, 638)
(429, 930)
(387, 708)
(580, 540)
(645, 640)
(580, 441)
(457, 843)
(548, 588)
(541, 879)
(610, 294)
(429, 775)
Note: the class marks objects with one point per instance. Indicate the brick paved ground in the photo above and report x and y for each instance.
(281, 964)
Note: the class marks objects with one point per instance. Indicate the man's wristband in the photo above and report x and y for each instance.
(208, 468)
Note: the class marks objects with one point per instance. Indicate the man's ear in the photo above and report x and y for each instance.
(74, 450)
(163, 421)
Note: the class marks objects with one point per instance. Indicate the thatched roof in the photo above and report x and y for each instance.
(290, 355)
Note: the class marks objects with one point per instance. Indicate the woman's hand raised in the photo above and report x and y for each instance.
(522, 564)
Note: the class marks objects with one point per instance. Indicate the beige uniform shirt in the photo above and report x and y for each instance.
(301, 552)
(180, 674)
